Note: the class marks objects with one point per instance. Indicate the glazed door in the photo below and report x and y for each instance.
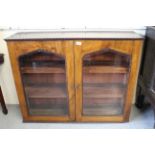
(45, 71)
(102, 77)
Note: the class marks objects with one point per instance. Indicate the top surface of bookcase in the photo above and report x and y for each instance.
(63, 35)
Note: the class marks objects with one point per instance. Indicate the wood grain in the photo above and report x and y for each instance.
(103, 78)
(42, 70)
(104, 69)
(133, 76)
(62, 48)
(124, 47)
(73, 55)
(46, 92)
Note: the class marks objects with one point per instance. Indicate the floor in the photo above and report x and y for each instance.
(138, 120)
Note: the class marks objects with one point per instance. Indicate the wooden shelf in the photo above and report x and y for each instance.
(46, 92)
(46, 70)
(52, 112)
(104, 109)
(103, 92)
(44, 79)
(105, 78)
(98, 101)
(104, 69)
(46, 105)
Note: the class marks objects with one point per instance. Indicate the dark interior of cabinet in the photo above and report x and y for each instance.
(105, 76)
(44, 80)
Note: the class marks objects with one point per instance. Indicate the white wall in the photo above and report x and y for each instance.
(47, 14)
(6, 77)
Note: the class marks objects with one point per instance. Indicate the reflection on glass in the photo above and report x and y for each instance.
(105, 75)
(44, 80)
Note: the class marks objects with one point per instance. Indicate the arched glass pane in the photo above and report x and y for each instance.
(105, 76)
(44, 81)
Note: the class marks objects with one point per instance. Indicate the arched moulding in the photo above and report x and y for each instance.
(44, 82)
(105, 78)
(107, 57)
(125, 47)
(42, 58)
(42, 55)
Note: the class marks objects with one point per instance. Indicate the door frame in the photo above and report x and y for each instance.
(62, 48)
(130, 47)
